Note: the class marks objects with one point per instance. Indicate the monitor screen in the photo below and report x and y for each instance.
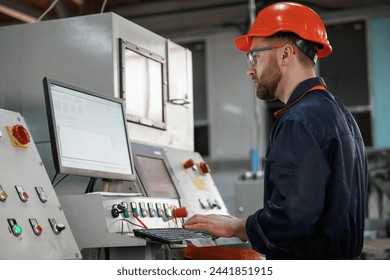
(88, 132)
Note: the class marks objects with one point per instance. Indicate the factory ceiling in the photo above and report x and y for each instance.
(165, 17)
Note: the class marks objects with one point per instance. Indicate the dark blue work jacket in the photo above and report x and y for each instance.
(315, 182)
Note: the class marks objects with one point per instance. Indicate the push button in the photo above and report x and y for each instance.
(204, 168)
(160, 211)
(37, 229)
(180, 212)
(144, 211)
(134, 208)
(15, 228)
(41, 194)
(188, 163)
(22, 194)
(168, 211)
(152, 211)
(3, 194)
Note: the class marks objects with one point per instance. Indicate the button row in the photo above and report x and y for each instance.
(16, 229)
(149, 209)
(23, 195)
(202, 166)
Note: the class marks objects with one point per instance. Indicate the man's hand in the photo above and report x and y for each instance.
(218, 225)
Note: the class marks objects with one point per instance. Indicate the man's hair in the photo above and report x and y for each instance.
(291, 38)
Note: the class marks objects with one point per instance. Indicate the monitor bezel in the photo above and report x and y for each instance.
(47, 82)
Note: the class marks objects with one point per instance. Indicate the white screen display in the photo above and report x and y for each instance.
(91, 133)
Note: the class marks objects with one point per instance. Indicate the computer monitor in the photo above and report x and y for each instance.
(88, 132)
(153, 171)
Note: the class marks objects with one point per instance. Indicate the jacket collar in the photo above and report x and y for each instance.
(304, 87)
(300, 91)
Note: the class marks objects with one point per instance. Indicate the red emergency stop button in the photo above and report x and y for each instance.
(21, 134)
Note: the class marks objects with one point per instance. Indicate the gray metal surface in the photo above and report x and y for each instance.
(21, 168)
(249, 195)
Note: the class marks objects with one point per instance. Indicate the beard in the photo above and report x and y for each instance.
(267, 83)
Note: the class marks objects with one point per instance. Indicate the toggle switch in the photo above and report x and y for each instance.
(152, 211)
(124, 209)
(41, 194)
(37, 229)
(134, 208)
(22, 194)
(168, 210)
(144, 212)
(202, 205)
(213, 204)
(57, 228)
(15, 228)
(160, 211)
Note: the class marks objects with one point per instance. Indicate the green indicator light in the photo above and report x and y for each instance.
(126, 214)
(17, 230)
(135, 211)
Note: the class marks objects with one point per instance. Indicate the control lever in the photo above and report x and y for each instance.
(213, 204)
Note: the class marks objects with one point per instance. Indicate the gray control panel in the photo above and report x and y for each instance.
(32, 222)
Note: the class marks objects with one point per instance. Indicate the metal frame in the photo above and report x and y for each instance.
(125, 45)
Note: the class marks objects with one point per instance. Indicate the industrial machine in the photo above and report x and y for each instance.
(115, 108)
(33, 223)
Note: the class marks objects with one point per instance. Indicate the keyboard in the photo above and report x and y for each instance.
(171, 235)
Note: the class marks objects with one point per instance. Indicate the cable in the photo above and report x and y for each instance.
(103, 6)
(55, 176)
(47, 11)
(60, 180)
(138, 219)
(91, 185)
(134, 224)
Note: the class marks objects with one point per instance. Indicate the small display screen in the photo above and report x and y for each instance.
(158, 182)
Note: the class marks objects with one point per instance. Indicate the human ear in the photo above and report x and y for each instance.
(286, 53)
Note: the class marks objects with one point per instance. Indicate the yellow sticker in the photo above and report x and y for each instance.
(200, 183)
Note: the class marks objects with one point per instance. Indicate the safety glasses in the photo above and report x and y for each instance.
(253, 54)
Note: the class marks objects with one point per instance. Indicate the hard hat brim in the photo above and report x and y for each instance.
(243, 43)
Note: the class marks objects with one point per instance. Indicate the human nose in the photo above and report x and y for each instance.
(250, 70)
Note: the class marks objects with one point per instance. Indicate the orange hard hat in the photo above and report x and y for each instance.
(288, 17)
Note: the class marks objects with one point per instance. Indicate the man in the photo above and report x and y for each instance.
(315, 175)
